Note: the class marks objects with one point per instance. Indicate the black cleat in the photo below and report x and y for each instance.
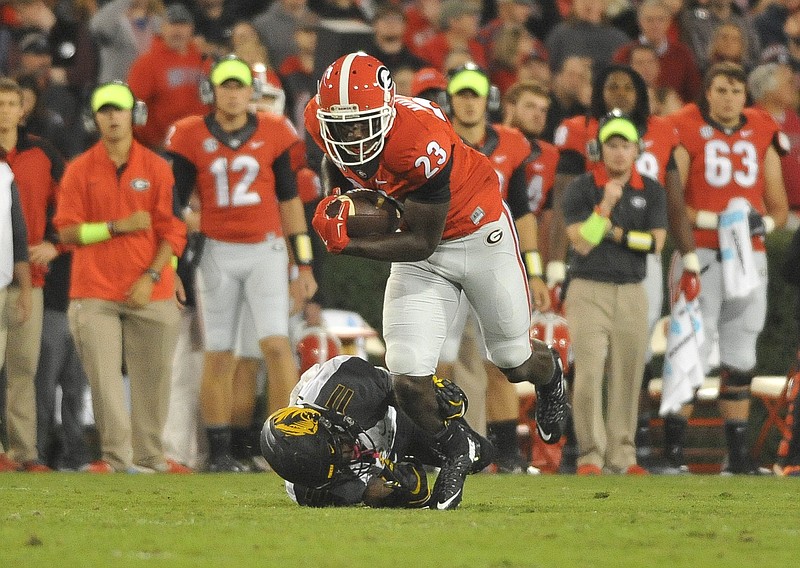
(463, 452)
(551, 405)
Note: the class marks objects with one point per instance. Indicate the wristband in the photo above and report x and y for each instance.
(301, 247)
(112, 228)
(294, 273)
(691, 262)
(533, 263)
(173, 261)
(556, 272)
(769, 224)
(91, 233)
(706, 220)
(594, 228)
(639, 241)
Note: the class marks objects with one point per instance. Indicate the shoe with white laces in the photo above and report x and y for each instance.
(551, 404)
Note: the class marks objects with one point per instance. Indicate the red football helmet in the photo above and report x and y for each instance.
(356, 108)
(317, 346)
(552, 329)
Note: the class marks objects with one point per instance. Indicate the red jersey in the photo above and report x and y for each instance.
(725, 164)
(37, 169)
(168, 82)
(541, 174)
(234, 177)
(507, 149)
(422, 142)
(579, 133)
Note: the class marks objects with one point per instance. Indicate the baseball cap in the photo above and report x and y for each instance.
(117, 94)
(231, 68)
(34, 42)
(426, 79)
(471, 78)
(178, 14)
(618, 126)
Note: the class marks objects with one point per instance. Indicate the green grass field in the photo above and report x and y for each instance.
(62, 520)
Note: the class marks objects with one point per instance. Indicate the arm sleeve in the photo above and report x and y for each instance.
(518, 193)
(185, 175)
(285, 180)
(18, 230)
(435, 190)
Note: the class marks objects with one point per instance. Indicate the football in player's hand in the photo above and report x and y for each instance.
(371, 213)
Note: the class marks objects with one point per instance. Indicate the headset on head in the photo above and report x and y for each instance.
(493, 99)
(207, 89)
(138, 112)
(593, 146)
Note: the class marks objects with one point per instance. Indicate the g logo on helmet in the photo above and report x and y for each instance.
(384, 78)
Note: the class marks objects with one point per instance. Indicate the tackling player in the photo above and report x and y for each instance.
(240, 166)
(469, 96)
(729, 151)
(456, 235)
(343, 441)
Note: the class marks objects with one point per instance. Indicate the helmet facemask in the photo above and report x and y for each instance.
(352, 137)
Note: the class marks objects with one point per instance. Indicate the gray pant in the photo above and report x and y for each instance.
(59, 364)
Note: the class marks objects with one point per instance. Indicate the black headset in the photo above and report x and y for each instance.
(138, 112)
(594, 146)
(493, 99)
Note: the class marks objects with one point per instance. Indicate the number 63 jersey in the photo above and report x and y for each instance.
(725, 163)
(421, 146)
(233, 173)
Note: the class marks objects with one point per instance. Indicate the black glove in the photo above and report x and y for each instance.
(756, 223)
(451, 399)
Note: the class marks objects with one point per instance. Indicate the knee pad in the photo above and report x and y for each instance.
(734, 384)
(402, 359)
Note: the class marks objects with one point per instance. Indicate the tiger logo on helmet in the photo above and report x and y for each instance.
(313, 447)
(356, 100)
(552, 329)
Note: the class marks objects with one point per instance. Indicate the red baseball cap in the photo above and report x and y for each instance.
(427, 78)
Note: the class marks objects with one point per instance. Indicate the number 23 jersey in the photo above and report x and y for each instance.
(725, 163)
(421, 145)
(234, 177)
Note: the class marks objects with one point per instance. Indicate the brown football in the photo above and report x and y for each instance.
(371, 213)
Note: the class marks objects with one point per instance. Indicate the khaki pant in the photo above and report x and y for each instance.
(103, 332)
(24, 341)
(608, 326)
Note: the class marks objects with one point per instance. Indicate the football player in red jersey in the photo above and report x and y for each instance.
(525, 107)
(728, 151)
(457, 235)
(470, 97)
(239, 164)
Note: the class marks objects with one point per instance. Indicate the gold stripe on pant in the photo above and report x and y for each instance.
(104, 331)
(608, 326)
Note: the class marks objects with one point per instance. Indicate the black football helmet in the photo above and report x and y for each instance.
(314, 447)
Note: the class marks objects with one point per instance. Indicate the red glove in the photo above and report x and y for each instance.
(689, 285)
(332, 230)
